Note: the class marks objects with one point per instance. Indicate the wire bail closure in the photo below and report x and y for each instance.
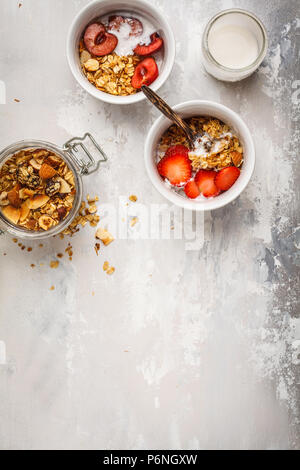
(90, 164)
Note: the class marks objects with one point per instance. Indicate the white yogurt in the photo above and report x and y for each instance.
(127, 43)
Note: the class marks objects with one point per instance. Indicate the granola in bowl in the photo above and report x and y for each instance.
(116, 53)
(208, 169)
(37, 189)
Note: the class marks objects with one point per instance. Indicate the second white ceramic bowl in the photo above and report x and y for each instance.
(201, 108)
(100, 8)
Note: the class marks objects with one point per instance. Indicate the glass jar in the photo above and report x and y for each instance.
(84, 165)
(241, 21)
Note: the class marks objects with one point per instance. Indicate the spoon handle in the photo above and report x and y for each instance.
(169, 113)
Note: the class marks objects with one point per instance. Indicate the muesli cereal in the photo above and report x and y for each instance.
(115, 54)
(212, 166)
(37, 189)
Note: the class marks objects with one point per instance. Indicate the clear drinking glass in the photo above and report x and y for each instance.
(238, 18)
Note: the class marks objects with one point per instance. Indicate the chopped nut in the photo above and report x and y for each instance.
(52, 187)
(237, 158)
(103, 235)
(14, 198)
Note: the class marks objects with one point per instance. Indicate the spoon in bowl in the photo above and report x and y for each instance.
(164, 108)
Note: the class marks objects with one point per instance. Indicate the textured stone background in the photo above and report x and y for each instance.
(179, 349)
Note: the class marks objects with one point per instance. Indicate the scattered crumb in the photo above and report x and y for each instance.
(59, 255)
(41, 245)
(32, 265)
(15, 240)
(110, 271)
(52, 288)
(105, 265)
(132, 198)
(92, 209)
(16, 100)
(23, 247)
(42, 264)
(4, 254)
(126, 350)
(103, 235)
(29, 249)
(54, 264)
(93, 293)
(97, 248)
(134, 221)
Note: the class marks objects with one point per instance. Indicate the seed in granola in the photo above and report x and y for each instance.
(52, 187)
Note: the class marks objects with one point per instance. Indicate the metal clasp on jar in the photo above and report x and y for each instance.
(88, 145)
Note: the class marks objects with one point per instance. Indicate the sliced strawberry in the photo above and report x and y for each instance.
(226, 177)
(154, 46)
(145, 73)
(205, 179)
(176, 168)
(116, 21)
(192, 190)
(97, 41)
(178, 149)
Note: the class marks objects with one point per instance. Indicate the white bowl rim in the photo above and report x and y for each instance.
(106, 97)
(210, 203)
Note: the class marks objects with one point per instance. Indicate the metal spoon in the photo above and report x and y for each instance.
(170, 114)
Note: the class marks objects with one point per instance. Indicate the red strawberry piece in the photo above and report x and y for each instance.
(154, 46)
(192, 190)
(205, 179)
(97, 41)
(176, 168)
(145, 73)
(177, 149)
(226, 177)
(116, 21)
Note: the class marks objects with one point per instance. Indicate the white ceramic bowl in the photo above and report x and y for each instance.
(103, 7)
(201, 108)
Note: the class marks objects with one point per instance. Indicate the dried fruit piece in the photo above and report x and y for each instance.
(46, 222)
(145, 73)
(25, 209)
(64, 186)
(14, 198)
(226, 177)
(103, 235)
(12, 214)
(192, 190)
(236, 157)
(46, 171)
(97, 41)
(62, 212)
(205, 179)
(37, 201)
(154, 46)
(35, 164)
(25, 193)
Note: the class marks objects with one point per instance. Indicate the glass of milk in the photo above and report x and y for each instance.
(234, 44)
